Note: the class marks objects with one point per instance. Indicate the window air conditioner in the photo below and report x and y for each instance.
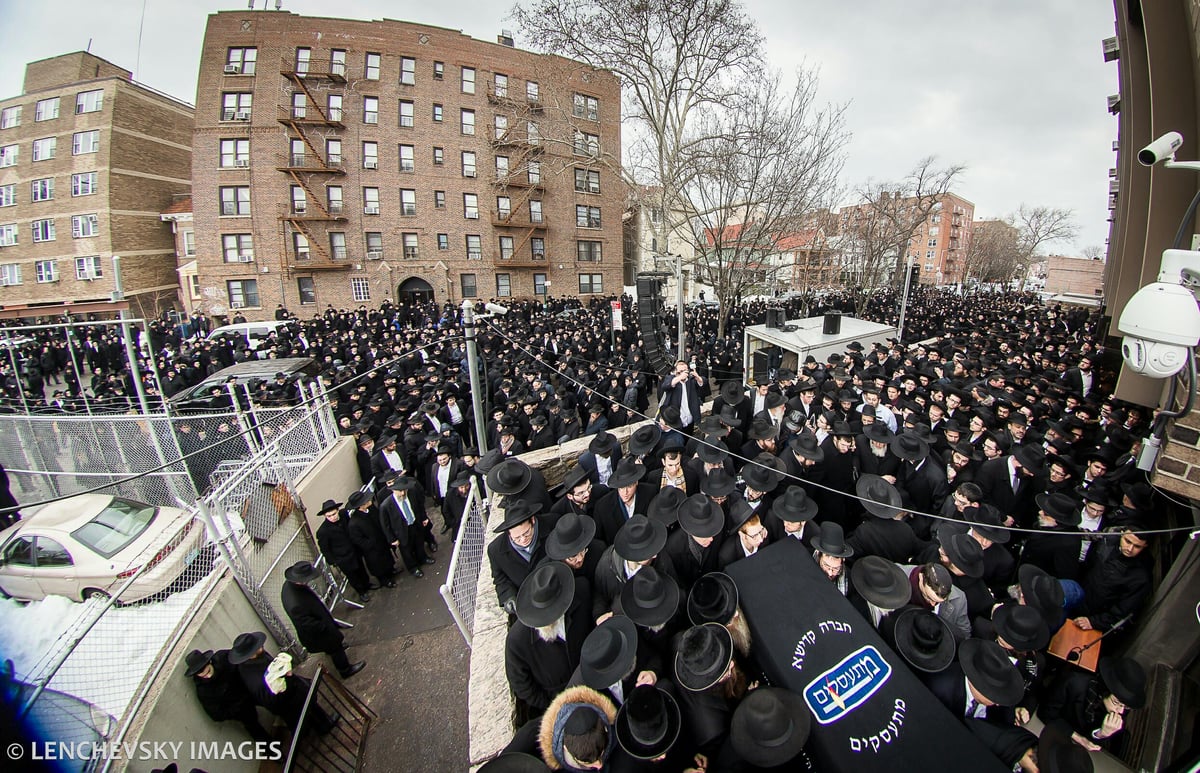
(242, 162)
(233, 69)
(242, 115)
(228, 115)
(299, 207)
(3, 281)
(374, 254)
(370, 165)
(371, 209)
(245, 258)
(236, 304)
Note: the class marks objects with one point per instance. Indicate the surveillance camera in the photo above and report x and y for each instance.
(1153, 359)
(1161, 324)
(496, 308)
(1161, 149)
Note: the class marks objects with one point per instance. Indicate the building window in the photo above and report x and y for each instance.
(470, 206)
(406, 113)
(303, 57)
(235, 200)
(500, 126)
(409, 241)
(374, 240)
(42, 189)
(8, 235)
(587, 144)
(587, 217)
(46, 110)
(300, 246)
(235, 153)
(408, 201)
(468, 122)
(537, 248)
(587, 181)
(299, 105)
(372, 71)
(501, 166)
(437, 113)
(535, 211)
(43, 230)
(586, 107)
(299, 152)
(89, 268)
(439, 199)
(370, 109)
(503, 207)
(10, 117)
(474, 247)
(8, 195)
(439, 156)
(370, 155)
(503, 285)
(44, 149)
(194, 286)
(533, 135)
(408, 71)
(241, 61)
(10, 273)
(370, 201)
(236, 105)
(83, 226)
(468, 80)
(337, 62)
(439, 70)
(467, 283)
(443, 242)
(500, 85)
(588, 251)
(333, 152)
(360, 288)
(306, 290)
(408, 161)
(468, 163)
(539, 284)
(8, 155)
(237, 248)
(85, 142)
(89, 101)
(337, 245)
(189, 243)
(243, 293)
(534, 171)
(333, 195)
(46, 271)
(334, 107)
(591, 283)
(506, 248)
(83, 184)
(532, 91)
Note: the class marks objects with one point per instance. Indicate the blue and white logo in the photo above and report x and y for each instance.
(846, 686)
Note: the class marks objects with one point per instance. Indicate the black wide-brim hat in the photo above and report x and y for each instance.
(650, 597)
(640, 539)
(246, 646)
(602, 443)
(328, 505)
(545, 594)
(1140, 494)
(762, 474)
(1057, 753)
(1062, 507)
(965, 552)
(713, 599)
(196, 661)
(909, 447)
(644, 439)
(462, 479)
(1126, 679)
(608, 652)
(732, 392)
(794, 506)
(832, 541)
(712, 452)
(881, 582)
(924, 640)
(571, 534)
(627, 473)
(879, 497)
(302, 572)
(718, 483)
(516, 512)
(1031, 458)
(574, 477)
(773, 400)
(879, 432)
(770, 727)
(1021, 626)
(985, 520)
(664, 508)
(761, 429)
(703, 656)
(700, 517)
(713, 427)
(648, 722)
(357, 498)
(510, 476)
(805, 445)
(514, 762)
(1042, 592)
(988, 669)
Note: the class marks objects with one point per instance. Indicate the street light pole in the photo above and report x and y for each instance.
(904, 299)
(679, 301)
(468, 320)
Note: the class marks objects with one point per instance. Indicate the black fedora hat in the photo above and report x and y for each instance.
(1062, 507)
(1057, 753)
(627, 473)
(985, 521)
(729, 416)
(608, 652)
(1099, 493)
(357, 499)
(328, 505)
(246, 646)
(988, 669)
(832, 541)
(713, 599)
(965, 552)
(794, 506)
(879, 432)
(571, 534)
(879, 497)
(1042, 592)
(1125, 679)
(764, 472)
(602, 443)
(1031, 458)
(761, 429)
(773, 400)
(805, 445)
(545, 594)
(739, 512)
(514, 762)
(732, 392)
(463, 478)
(769, 727)
(648, 722)
(909, 447)
(640, 538)
(669, 415)
(712, 452)
(700, 517)
(403, 483)
(703, 656)
(516, 512)
(650, 597)
(1021, 626)
(302, 572)
(574, 477)
(924, 640)
(510, 476)
(196, 661)
(881, 582)
(664, 508)
(718, 483)
(644, 439)
(841, 429)
(1140, 494)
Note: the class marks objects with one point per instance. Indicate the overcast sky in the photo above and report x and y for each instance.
(1015, 90)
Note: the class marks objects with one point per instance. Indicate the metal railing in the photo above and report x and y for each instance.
(462, 576)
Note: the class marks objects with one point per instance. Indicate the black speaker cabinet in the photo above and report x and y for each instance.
(833, 324)
(776, 318)
(761, 368)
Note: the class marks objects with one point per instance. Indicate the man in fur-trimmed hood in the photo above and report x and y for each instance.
(577, 730)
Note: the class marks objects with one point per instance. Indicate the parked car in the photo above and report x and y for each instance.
(91, 544)
(197, 398)
(252, 334)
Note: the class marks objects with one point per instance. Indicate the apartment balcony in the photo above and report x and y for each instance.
(523, 260)
(517, 180)
(515, 139)
(309, 163)
(307, 211)
(313, 69)
(522, 219)
(309, 115)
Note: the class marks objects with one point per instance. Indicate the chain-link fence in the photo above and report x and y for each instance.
(462, 576)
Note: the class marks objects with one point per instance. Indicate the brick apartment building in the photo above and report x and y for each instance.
(347, 162)
(88, 159)
(939, 246)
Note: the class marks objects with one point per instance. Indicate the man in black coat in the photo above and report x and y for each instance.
(885, 532)
(221, 692)
(1055, 548)
(367, 535)
(682, 390)
(982, 684)
(444, 469)
(922, 482)
(333, 538)
(315, 627)
(253, 663)
(996, 479)
(517, 550)
(628, 498)
(455, 503)
(1117, 580)
(405, 524)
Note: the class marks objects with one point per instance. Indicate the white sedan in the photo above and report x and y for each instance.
(90, 545)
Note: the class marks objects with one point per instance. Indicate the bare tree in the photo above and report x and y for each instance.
(879, 228)
(765, 165)
(993, 252)
(1093, 252)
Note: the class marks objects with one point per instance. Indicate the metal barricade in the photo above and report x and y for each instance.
(462, 576)
(340, 748)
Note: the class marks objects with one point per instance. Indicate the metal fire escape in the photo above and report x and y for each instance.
(521, 147)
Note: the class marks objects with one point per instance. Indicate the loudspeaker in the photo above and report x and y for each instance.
(776, 318)
(761, 369)
(647, 287)
(833, 324)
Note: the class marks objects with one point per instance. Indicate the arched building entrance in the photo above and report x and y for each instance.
(414, 290)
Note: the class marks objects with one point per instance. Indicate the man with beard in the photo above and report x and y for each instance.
(712, 681)
(886, 533)
(830, 551)
(580, 495)
(872, 452)
(636, 546)
(573, 542)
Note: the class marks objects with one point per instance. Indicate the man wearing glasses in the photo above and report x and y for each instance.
(681, 390)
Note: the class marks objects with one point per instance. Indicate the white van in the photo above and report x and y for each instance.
(252, 333)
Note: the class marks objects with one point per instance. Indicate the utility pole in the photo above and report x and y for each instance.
(904, 299)
(679, 301)
(468, 321)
